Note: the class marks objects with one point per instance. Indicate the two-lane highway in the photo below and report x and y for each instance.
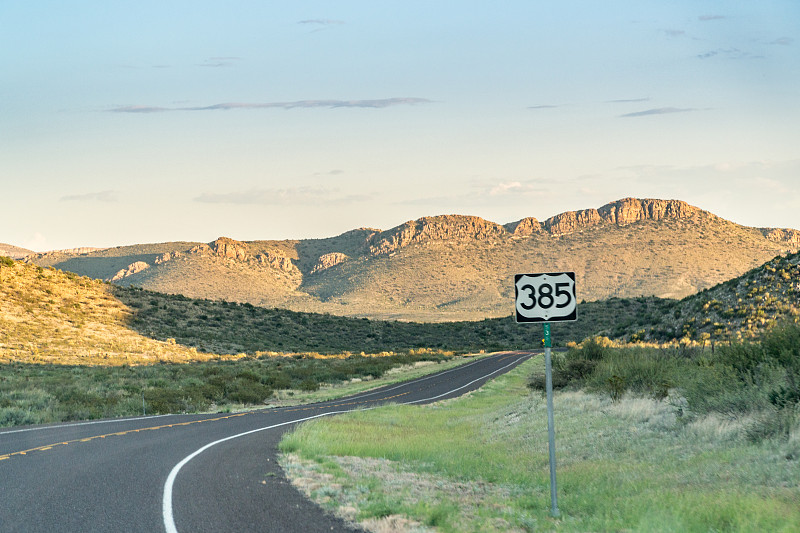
(186, 473)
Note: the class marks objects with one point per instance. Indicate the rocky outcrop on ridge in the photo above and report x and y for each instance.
(467, 228)
(630, 210)
(782, 235)
(167, 256)
(327, 261)
(525, 227)
(234, 250)
(572, 221)
(226, 247)
(223, 247)
(622, 212)
(444, 227)
(133, 268)
(276, 260)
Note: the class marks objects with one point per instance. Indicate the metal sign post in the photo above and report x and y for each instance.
(551, 428)
(547, 298)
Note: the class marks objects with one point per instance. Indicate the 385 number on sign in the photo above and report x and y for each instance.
(545, 297)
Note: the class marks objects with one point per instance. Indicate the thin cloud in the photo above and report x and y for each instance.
(288, 196)
(139, 109)
(543, 106)
(783, 41)
(335, 172)
(321, 22)
(628, 101)
(658, 111)
(729, 53)
(102, 196)
(217, 62)
(374, 104)
(513, 187)
(706, 18)
(675, 33)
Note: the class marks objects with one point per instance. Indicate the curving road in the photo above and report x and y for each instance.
(187, 473)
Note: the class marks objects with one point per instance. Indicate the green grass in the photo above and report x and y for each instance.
(633, 465)
(35, 393)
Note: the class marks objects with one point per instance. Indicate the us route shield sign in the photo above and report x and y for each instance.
(546, 297)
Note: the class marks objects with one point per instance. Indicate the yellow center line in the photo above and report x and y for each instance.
(45, 447)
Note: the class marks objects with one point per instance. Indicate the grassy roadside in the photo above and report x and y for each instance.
(37, 394)
(479, 463)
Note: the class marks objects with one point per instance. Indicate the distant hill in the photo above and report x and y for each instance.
(451, 267)
(14, 252)
(49, 316)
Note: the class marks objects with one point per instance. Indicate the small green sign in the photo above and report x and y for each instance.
(547, 343)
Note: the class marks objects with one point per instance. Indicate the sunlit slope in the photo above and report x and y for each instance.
(49, 316)
(452, 267)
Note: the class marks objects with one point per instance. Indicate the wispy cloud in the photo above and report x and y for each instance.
(102, 196)
(543, 106)
(287, 196)
(658, 111)
(628, 100)
(321, 22)
(335, 172)
(512, 187)
(217, 62)
(729, 53)
(675, 33)
(139, 109)
(706, 18)
(783, 41)
(375, 104)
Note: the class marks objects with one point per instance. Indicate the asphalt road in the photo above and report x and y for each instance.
(187, 473)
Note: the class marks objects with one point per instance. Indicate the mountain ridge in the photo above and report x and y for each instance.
(451, 267)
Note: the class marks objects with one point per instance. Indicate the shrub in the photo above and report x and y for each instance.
(773, 423)
(616, 387)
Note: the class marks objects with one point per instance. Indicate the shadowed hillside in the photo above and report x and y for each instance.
(451, 267)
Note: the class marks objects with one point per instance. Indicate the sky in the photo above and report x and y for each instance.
(151, 121)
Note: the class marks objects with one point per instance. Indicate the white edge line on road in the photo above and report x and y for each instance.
(166, 502)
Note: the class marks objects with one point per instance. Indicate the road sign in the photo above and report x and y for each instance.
(545, 297)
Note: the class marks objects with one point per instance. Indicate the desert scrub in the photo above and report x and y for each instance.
(35, 393)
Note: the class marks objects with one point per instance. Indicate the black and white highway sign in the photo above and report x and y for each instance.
(545, 297)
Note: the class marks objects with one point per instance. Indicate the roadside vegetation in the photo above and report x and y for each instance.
(647, 440)
(36, 394)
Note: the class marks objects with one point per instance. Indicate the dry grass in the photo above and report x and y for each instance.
(48, 316)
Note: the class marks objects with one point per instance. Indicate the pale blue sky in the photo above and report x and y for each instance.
(133, 122)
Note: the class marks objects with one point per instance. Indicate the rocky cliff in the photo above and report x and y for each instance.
(622, 212)
(782, 235)
(439, 228)
(467, 228)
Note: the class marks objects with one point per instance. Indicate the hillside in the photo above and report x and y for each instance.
(740, 308)
(49, 316)
(53, 316)
(14, 252)
(451, 267)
